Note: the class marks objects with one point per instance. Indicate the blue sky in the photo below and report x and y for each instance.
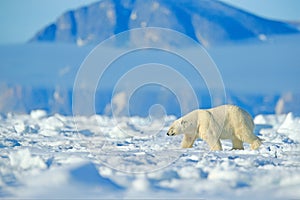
(21, 19)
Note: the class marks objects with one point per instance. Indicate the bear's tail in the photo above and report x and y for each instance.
(256, 143)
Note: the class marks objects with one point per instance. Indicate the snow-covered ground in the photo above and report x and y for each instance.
(59, 156)
(48, 155)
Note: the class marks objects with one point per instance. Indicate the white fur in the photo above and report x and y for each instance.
(211, 125)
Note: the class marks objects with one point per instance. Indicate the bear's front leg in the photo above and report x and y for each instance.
(212, 140)
(214, 144)
(188, 141)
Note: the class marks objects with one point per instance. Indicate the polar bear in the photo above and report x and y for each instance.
(211, 125)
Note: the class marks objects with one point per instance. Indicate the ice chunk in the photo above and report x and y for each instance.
(188, 173)
(140, 184)
(38, 114)
(19, 127)
(290, 127)
(24, 160)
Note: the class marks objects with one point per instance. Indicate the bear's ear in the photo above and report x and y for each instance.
(183, 123)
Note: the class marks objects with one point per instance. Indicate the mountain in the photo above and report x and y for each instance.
(296, 24)
(206, 21)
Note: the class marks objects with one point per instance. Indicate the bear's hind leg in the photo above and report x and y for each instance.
(188, 141)
(237, 144)
(251, 139)
(256, 143)
(246, 134)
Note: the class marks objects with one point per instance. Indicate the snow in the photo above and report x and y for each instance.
(54, 156)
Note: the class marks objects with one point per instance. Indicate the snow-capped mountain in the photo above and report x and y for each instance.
(206, 21)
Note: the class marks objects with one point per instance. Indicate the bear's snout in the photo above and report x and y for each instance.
(170, 134)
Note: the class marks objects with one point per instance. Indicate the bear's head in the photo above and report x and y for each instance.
(175, 128)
